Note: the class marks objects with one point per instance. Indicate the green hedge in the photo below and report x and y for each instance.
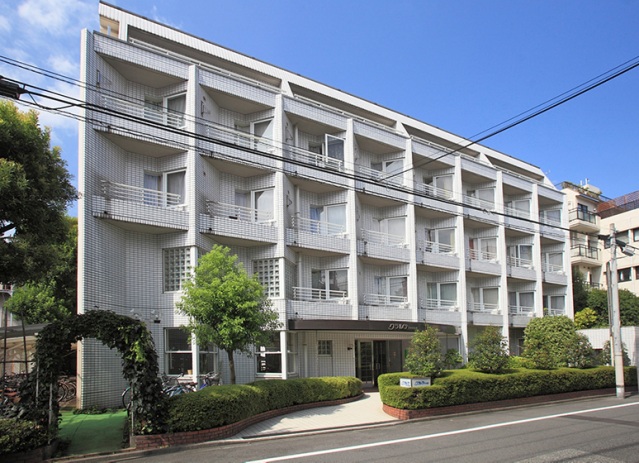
(221, 405)
(468, 386)
(20, 436)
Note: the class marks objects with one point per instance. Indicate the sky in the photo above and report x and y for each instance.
(464, 66)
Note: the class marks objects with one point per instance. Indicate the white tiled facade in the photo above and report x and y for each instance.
(362, 223)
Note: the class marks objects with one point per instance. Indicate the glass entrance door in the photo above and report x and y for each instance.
(364, 367)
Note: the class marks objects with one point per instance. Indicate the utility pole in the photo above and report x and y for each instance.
(615, 317)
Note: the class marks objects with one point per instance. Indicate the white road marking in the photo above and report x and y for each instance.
(432, 436)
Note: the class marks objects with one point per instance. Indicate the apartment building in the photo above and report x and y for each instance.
(362, 224)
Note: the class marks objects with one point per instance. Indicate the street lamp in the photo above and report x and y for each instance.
(615, 316)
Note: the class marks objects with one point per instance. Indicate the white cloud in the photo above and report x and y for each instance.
(5, 25)
(57, 17)
(63, 65)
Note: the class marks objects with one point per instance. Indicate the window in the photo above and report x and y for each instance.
(395, 229)
(168, 111)
(484, 299)
(441, 294)
(441, 240)
(391, 290)
(519, 207)
(521, 302)
(335, 147)
(329, 284)
(520, 255)
(177, 264)
(263, 134)
(555, 304)
(268, 274)
(636, 273)
(483, 249)
(164, 189)
(269, 357)
(324, 347)
(179, 355)
(442, 186)
(328, 220)
(257, 205)
(554, 262)
(388, 167)
(625, 274)
(635, 234)
(552, 216)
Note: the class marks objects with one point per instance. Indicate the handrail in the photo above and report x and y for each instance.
(519, 262)
(314, 294)
(476, 254)
(112, 190)
(435, 247)
(384, 238)
(317, 226)
(431, 190)
(438, 304)
(151, 113)
(244, 214)
(520, 310)
(385, 299)
(483, 307)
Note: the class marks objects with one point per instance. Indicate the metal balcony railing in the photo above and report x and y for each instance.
(484, 307)
(313, 294)
(581, 250)
(521, 310)
(436, 248)
(438, 304)
(134, 194)
(580, 214)
(552, 268)
(315, 159)
(385, 299)
(553, 221)
(384, 238)
(151, 113)
(431, 190)
(555, 312)
(477, 202)
(239, 138)
(519, 262)
(386, 177)
(245, 214)
(317, 227)
(476, 254)
(513, 211)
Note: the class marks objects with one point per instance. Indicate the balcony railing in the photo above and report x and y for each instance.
(477, 202)
(317, 227)
(585, 216)
(384, 238)
(436, 248)
(139, 195)
(239, 138)
(313, 294)
(513, 211)
(431, 190)
(483, 307)
(545, 218)
(151, 113)
(245, 214)
(315, 159)
(438, 304)
(581, 250)
(555, 312)
(521, 310)
(519, 262)
(385, 299)
(386, 177)
(552, 268)
(476, 254)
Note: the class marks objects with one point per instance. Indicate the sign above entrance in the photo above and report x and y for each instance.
(363, 325)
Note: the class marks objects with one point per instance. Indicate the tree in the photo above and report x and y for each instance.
(606, 354)
(553, 342)
(424, 355)
(489, 351)
(53, 296)
(579, 290)
(226, 306)
(36, 189)
(628, 306)
(586, 318)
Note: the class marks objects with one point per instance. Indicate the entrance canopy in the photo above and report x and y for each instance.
(365, 325)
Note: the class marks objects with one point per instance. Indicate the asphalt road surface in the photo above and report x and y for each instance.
(602, 430)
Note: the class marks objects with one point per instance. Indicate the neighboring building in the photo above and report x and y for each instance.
(629, 337)
(361, 223)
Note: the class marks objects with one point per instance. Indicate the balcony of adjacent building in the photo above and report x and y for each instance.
(585, 255)
(238, 224)
(583, 220)
(160, 209)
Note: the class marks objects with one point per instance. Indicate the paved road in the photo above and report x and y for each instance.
(602, 430)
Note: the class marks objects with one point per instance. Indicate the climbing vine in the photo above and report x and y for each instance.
(139, 367)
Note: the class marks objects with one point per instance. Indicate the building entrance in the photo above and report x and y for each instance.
(374, 358)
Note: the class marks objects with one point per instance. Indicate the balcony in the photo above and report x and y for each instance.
(313, 294)
(241, 147)
(484, 307)
(439, 311)
(484, 314)
(322, 304)
(554, 273)
(153, 114)
(385, 307)
(439, 304)
(583, 221)
(520, 268)
(520, 315)
(385, 300)
(582, 254)
(383, 246)
(142, 206)
(239, 222)
(437, 254)
(315, 234)
(482, 261)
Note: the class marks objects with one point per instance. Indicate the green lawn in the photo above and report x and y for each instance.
(92, 433)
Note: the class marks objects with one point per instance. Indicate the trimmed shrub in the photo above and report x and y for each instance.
(216, 406)
(553, 342)
(489, 351)
(466, 386)
(20, 436)
(424, 356)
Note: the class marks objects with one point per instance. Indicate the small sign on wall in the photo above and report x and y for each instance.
(414, 382)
